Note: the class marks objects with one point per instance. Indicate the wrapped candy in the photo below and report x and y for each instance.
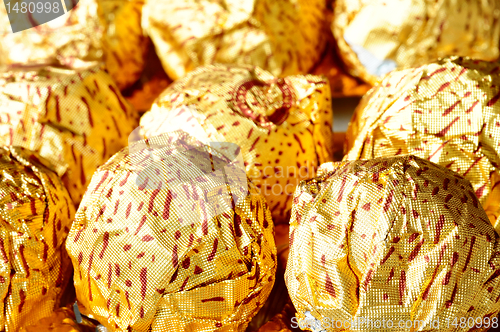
(36, 213)
(391, 240)
(66, 40)
(447, 112)
(76, 119)
(124, 45)
(284, 37)
(283, 126)
(61, 320)
(377, 36)
(171, 236)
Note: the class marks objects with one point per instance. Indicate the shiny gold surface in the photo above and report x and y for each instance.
(61, 320)
(373, 34)
(66, 40)
(149, 255)
(74, 119)
(35, 216)
(124, 44)
(282, 36)
(396, 238)
(283, 126)
(447, 112)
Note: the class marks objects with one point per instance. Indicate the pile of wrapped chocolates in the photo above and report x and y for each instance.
(171, 165)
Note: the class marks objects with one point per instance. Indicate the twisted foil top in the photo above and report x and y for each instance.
(35, 217)
(148, 251)
(124, 44)
(391, 238)
(375, 37)
(447, 112)
(68, 40)
(259, 33)
(283, 126)
(76, 119)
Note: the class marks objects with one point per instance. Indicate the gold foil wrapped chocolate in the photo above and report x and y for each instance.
(172, 236)
(375, 37)
(283, 126)
(76, 119)
(447, 112)
(284, 37)
(61, 320)
(397, 239)
(124, 44)
(36, 214)
(66, 40)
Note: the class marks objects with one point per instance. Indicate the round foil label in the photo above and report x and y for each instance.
(263, 102)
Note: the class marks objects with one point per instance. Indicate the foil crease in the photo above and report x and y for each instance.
(76, 119)
(393, 239)
(283, 126)
(375, 37)
(69, 40)
(124, 44)
(447, 112)
(192, 33)
(35, 214)
(149, 252)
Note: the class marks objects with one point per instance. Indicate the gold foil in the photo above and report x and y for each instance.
(283, 126)
(61, 320)
(377, 36)
(280, 322)
(76, 119)
(284, 37)
(163, 241)
(124, 44)
(447, 112)
(35, 213)
(394, 239)
(67, 40)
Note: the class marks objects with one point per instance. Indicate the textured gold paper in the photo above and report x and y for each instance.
(283, 126)
(67, 40)
(36, 214)
(124, 44)
(61, 320)
(282, 36)
(447, 112)
(376, 36)
(149, 252)
(76, 119)
(396, 238)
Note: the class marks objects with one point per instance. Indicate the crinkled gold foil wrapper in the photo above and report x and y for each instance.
(69, 40)
(61, 320)
(396, 238)
(161, 242)
(447, 112)
(283, 126)
(76, 119)
(124, 44)
(375, 37)
(284, 37)
(36, 214)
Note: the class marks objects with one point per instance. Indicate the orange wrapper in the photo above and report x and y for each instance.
(124, 45)
(36, 213)
(284, 37)
(172, 236)
(391, 239)
(76, 119)
(375, 37)
(447, 112)
(61, 320)
(283, 126)
(67, 40)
